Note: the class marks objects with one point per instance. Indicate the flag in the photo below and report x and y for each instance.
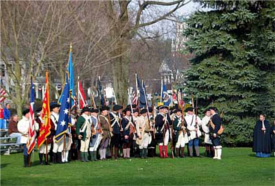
(81, 94)
(45, 129)
(63, 120)
(142, 95)
(165, 96)
(71, 81)
(31, 140)
(2, 94)
(99, 89)
(134, 98)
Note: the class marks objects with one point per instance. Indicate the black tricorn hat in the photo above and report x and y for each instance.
(177, 110)
(54, 105)
(189, 109)
(143, 111)
(135, 110)
(38, 109)
(117, 107)
(93, 110)
(104, 108)
(126, 109)
(85, 109)
(150, 109)
(25, 111)
(213, 108)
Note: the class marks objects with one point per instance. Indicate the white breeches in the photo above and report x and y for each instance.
(85, 145)
(166, 139)
(207, 139)
(98, 140)
(182, 140)
(58, 146)
(42, 149)
(146, 140)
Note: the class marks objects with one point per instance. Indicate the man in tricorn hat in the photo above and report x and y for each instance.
(115, 118)
(214, 128)
(96, 136)
(107, 131)
(193, 125)
(57, 147)
(83, 131)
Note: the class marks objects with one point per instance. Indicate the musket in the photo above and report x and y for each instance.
(196, 121)
(153, 116)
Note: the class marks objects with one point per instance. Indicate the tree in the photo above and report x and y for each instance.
(233, 67)
(128, 18)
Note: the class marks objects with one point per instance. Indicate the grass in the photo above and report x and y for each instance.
(239, 166)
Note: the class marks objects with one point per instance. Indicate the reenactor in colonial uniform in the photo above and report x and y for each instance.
(68, 141)
(45, 149)
(181, 137)
(96, 134)
(83, 130)
(215, 124)
(143, 133)
(162, 130)
(115, 118)
(135, 149)
(127, 125)
(205, 127)
(57, 146)
(23, 128)
(107, 131)
(193, 124)
(152, 145)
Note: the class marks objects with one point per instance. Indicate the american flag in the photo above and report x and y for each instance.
(2, 94)
(135, 98)
(31, 141)
(82, 96)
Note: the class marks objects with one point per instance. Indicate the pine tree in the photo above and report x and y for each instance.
(234, 64)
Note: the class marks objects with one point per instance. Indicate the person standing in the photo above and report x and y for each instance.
(2, 121)
(153, 144)
(215, 125)
(57, 147)
(205, 127)
(143, 133)
(115, 118)
(84, 132)
(7, 115)
(134, 150)
(193, 125)
(13, 131)
(23, 128)
(261, 138)
(180, 133)
(96, 135)
(272, 131)
(126, 125)
(162, 130)
(107, 131)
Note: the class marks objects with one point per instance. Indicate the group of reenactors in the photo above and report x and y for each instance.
(94, 134)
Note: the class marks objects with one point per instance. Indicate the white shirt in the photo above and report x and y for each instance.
(204, 123)
(23, 127)
(54, 118)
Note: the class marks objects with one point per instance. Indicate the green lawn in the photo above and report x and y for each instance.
(238, 167)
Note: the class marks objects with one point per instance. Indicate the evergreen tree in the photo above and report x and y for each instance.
(234, 63)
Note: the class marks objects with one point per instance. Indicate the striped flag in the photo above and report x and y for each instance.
(45, 129)
(31, 141)
(135, 98)
(82, 96)
(2, 94)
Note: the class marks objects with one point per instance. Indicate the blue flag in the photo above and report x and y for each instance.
(142, 95)
(99, 90)
(71, 81)
(63, 120)
(165, 96)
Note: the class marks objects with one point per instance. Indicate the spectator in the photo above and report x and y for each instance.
(13, 131)
(2, 121)
(7, 114)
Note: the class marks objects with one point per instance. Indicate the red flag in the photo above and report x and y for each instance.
(45, 129)
(135, 99)
(81, 94)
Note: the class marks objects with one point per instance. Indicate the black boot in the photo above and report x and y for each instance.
(177, 152)
(26, 161)
(182, 152)
(59, 157)
(40, 158)
(54, 156)
(145, 152)
(46, 157)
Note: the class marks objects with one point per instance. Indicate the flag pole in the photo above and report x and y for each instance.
(161, 90)
(78, 100)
